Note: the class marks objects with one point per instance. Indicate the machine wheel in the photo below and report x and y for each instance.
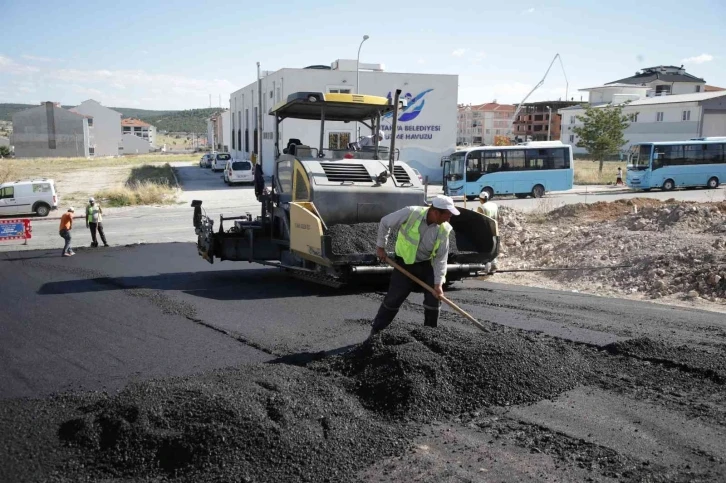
(712, 183)
(538, 191)
(41, 209)
(668, 185)
(489, 192)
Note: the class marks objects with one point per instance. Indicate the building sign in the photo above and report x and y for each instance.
(414, 106)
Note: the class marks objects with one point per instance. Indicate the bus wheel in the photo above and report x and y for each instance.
(668, 185)
(538, 191)
(489, 192)
(712, 183)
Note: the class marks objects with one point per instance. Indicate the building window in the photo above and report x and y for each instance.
(572, 119)
(90, 122)
(662, 90)
(338, 140)
(91, 150)
(659, 116)
(698, 88)
(686, 115)
(572, 138)
(339, 90)
(634, 117)
(278, 94)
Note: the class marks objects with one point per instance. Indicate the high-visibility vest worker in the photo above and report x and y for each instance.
(422, 247)
(487, 207)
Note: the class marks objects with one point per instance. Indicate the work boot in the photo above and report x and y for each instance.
(383, 319)
(431, 318)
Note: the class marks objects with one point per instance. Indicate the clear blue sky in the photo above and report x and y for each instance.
(159, 55)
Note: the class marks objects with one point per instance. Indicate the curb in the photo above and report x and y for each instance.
(173, 173)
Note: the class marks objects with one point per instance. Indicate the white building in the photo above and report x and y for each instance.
(426, 129)
(481, 124)
(139, 128)
(664, 103)
(219, 131)
(104, 126)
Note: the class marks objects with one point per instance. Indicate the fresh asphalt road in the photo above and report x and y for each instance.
(106, 317)
(163, 224)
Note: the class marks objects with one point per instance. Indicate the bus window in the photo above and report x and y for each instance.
(492, 161)
(535, 159)
(714, 153)
(559, 158)
(473, 166)
(693, 154)
(515, 160)
(672, 156)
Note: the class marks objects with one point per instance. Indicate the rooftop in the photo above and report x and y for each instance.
(663, 73)
(134, 122)
(647, 101)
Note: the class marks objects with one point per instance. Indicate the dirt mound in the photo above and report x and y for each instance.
(603, 210)
(703, 218)
(258, 423)
(415, 372)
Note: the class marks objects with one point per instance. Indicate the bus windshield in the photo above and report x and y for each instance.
(639, 157)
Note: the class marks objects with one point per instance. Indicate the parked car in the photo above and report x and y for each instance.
(219, 161)
(420, 178)
(238, 172)
(25, 197)
(205, 161)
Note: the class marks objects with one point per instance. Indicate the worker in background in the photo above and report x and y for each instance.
(490, 209)
(619, 177)
(66, 225)
(422, 248)
(94, 222)
(366, 141)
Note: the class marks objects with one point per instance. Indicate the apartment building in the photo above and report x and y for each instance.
(104, 127)
(539, 121)
(50, 131)
(481, 124)
(139, 128)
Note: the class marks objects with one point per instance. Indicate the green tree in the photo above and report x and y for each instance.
(602, 131)
(4, 151)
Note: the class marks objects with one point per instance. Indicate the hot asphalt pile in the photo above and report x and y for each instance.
(360, 238)
(412, 372)
(261, 423)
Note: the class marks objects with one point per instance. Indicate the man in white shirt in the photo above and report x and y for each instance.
(422, 248)
(367, 141)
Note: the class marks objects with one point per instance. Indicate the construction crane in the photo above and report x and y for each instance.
(519, 107)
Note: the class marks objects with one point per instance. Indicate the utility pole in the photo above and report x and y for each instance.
(210, 101)
(259, 115)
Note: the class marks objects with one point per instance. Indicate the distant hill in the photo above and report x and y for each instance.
(190, 120)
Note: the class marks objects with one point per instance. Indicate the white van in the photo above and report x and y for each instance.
(25, 197)
(220, 161)
(238, 172)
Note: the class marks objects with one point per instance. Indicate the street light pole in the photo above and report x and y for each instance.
(549, 122)
(357, 81)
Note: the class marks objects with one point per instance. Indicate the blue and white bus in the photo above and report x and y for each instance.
(531, 168)
(680, 164)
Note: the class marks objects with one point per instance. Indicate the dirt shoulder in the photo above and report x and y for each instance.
(673, 252)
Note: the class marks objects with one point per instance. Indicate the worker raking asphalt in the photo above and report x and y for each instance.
(421, 373)
(360, 238)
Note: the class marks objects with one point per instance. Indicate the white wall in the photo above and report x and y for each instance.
(647, 128)
(605, 94)
(106, 130)
(226, 130)
(133, 144)
(423, 140)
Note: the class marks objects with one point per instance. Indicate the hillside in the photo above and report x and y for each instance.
(190, 120)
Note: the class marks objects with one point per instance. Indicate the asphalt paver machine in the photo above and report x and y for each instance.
(315, 188)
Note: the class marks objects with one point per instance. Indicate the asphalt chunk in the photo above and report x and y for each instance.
(410, 371)
(261, 423)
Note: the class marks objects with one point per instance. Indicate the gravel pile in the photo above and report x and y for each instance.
(414, 372)
(260, 423)
(360, 238)
(673, 249)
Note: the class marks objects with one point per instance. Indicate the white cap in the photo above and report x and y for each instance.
(380, 134)
(71, 209)
(444, 203)
(91, 199)
(484, 195)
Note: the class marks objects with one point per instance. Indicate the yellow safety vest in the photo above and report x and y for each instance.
(89, 213)
(409, 237)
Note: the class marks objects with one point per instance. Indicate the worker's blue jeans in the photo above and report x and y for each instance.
(401, 287)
